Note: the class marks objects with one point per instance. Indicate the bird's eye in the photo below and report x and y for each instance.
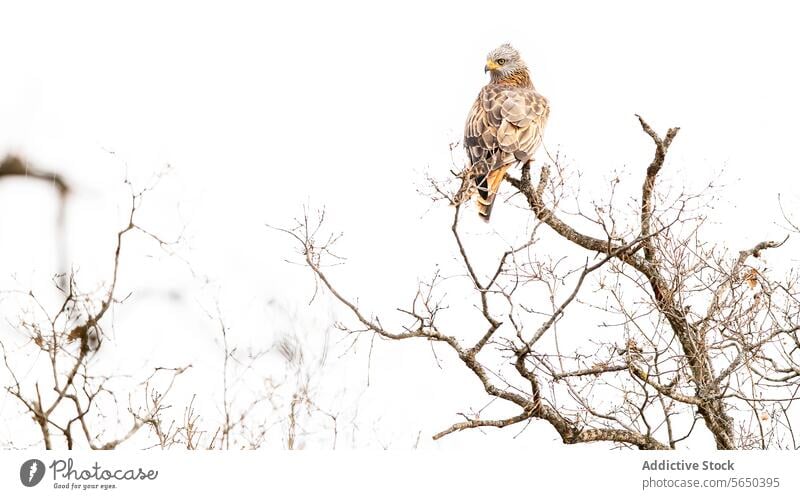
(501, 61)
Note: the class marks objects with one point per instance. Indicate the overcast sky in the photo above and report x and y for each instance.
(262, 108)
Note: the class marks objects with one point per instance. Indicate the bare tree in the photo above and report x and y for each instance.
(53, 356)
(68, 393)
(269, 398)
(686, 334)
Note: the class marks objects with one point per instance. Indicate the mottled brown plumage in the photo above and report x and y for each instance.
(504, 127)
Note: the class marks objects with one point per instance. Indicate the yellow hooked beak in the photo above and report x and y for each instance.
(490, 66)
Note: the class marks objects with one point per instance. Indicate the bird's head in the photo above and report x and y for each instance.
(503, 61)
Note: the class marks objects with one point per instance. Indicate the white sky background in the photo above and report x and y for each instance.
(260, 109)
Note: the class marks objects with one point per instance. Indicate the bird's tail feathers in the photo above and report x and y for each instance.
(488, 185)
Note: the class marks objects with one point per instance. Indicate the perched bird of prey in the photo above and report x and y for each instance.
(504, 127)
